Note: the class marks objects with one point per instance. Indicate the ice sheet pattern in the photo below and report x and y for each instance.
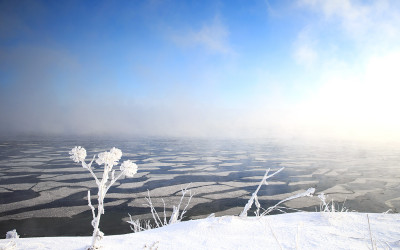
(40, 185)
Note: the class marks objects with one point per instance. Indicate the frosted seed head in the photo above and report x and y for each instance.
(102, 158)
(110, 158)
(78, 154)
(116, 153)
(129, 168)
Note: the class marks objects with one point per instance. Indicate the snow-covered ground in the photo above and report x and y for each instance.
(317, 230)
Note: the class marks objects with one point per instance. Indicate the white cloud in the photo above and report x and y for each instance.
(362, 28)
(360, 20)
(211, 36)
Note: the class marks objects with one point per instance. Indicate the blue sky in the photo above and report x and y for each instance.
(200, 68)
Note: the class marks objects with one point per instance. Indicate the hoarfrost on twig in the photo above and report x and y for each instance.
(308, 193)
(254, 196)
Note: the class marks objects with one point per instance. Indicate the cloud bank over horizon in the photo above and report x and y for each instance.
(226, 68)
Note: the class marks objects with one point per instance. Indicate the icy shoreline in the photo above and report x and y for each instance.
(316, 230)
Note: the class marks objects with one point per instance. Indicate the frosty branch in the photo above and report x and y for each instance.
(254, 197)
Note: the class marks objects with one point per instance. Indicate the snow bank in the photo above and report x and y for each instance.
(285, 231)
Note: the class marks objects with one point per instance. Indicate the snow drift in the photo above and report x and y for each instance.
(302, 230)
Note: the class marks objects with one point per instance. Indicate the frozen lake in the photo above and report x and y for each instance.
(43, 192)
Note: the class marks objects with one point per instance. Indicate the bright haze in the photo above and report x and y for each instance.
(201, 68)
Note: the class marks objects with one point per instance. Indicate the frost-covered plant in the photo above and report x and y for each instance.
(12, 234)
(330, 206)
(254, 197)
(176, 215)
(11, 244)
(139, 225)
(308, 193)
(109, 160)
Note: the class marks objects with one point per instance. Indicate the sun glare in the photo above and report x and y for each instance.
(361, 104)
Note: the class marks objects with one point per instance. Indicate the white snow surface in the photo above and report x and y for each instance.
(318, 230)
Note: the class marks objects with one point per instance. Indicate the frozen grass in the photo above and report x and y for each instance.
(331, 206)
(176, 215)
